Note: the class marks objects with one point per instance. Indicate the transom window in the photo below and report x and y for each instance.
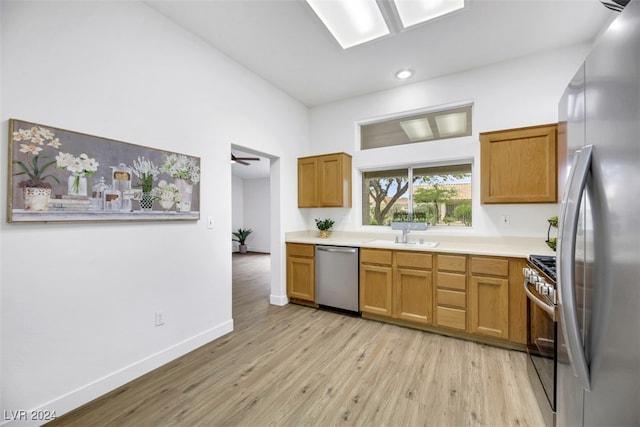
(419, 127)
(439, 195)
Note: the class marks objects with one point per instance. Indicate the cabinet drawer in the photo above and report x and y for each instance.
(452, 318)
(372, 256)
(491, 266)
(452, 263)
(414, 260)
(452, 281)
(451, 298)
(301, 249)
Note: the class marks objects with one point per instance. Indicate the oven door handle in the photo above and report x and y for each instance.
(569, 217)
(550, 310)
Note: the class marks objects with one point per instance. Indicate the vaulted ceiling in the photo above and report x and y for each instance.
(285, 43)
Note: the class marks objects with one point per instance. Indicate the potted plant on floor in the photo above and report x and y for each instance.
(241, 236)
(324, 225)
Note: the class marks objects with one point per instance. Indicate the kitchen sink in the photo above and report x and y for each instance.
(393, 243)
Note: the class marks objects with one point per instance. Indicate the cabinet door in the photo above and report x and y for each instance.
(413, 295)
(519, 165)
(375, 290)
(307, 183)
(301, 278)
(489, 306)
(334, 180)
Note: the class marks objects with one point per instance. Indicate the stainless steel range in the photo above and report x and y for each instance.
(542, 335)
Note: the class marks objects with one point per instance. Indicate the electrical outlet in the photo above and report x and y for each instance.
(505, 219)
(159, 318)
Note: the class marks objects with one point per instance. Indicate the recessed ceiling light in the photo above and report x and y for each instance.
(404, 74)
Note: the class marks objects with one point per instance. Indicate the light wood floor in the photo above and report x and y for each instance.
(297, 366)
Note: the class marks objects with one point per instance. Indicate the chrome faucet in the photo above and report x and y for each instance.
(405, 232)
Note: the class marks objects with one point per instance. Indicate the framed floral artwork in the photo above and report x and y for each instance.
(57, 175)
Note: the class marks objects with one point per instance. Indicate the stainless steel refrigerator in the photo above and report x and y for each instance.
(598, 257)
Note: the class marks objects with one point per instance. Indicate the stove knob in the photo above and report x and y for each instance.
(541, 285)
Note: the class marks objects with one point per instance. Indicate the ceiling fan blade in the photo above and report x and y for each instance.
(248, 158)
(242, 162)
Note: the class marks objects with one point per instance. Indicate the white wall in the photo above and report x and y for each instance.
(237, 206)
(257, 216)
(518, 93)
(251, 209)
(78, 300)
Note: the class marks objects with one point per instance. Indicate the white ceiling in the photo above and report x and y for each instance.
(254, 170)
(286, 44)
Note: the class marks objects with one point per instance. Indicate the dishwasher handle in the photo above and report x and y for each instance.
(337, 249)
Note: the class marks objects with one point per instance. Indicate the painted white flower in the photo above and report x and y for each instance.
(146, 171)
(166, 191)
(34, 138)
(55, 143)
(180, 166)
(30, 148)
(80, 165)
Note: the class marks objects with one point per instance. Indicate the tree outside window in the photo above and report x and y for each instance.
(442, 194)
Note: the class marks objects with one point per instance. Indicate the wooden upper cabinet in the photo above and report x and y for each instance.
(307, 183)
(324, 181)
(519, 165)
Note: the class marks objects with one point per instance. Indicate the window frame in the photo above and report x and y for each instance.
(412, 114)
(410, 167)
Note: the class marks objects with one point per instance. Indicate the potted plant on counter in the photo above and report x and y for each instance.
(324, 225)
(241, 236)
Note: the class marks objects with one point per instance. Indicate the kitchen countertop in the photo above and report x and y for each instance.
(515, 247)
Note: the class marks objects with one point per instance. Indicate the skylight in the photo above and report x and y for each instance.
(353, 22)
(414, 12)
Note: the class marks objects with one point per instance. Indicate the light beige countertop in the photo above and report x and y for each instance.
(516, 247)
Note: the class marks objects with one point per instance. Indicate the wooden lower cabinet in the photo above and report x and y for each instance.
(489, 306)
(451, 291)
(376, 287)
(497, 302)
(301, 272)
(396, 284)
(413, 287)
(466, 295)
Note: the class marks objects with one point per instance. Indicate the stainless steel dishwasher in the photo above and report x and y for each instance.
(337, 282)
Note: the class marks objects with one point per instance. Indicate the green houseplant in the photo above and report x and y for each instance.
(241, 236)
(324, 225)
(552, 241)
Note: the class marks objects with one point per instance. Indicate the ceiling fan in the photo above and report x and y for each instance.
(243, 160)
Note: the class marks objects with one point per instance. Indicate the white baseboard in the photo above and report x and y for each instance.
(278, 300)
(101, 386)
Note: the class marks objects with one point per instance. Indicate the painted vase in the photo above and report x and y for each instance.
(186, 193)
(146, 202)
(36, 198)
(77, 185)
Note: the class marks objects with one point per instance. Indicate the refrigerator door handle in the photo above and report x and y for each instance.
(566, 259)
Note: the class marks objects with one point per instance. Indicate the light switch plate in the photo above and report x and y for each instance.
(209, 222)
